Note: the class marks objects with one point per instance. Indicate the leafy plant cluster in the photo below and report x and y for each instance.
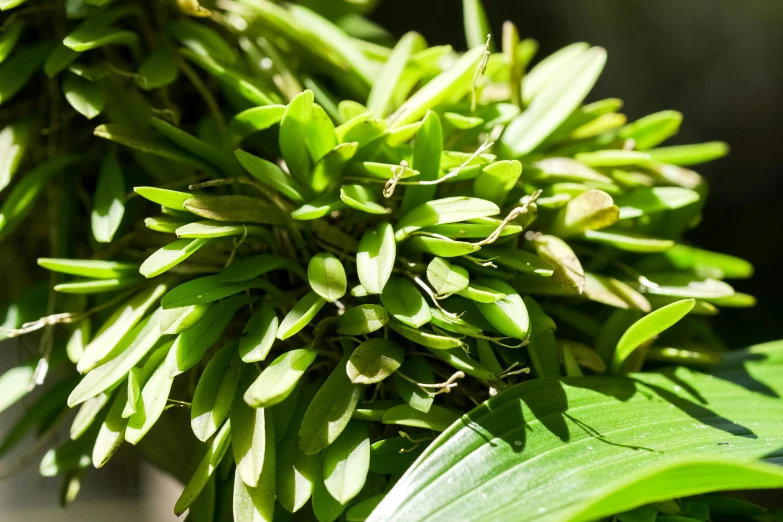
(325, 251)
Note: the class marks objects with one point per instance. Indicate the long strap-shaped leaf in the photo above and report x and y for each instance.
(580, 449)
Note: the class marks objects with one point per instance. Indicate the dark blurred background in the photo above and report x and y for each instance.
(719, 62)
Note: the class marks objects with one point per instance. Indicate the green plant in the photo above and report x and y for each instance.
(334, 250)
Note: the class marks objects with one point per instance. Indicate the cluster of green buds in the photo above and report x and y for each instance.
(345, 246)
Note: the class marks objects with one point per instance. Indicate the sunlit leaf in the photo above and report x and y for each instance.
(84, 96)
(279, 379)
(647, 328)
(374, 360)
(109, 205)
(375, 258)
(330, 411)
(300, 315)
(215, 393)
(191, 345)
(346, 462)
(405, 303)
(518, 439)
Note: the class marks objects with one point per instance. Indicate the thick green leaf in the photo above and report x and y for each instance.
(405, 303)
(58, 60)
(628, 241)
(87, 414)
(440, 246)
(115, 330)
(209, 229)
(215, 393)
(95, 287)
(111, 434)
(361, 510)
(109, 204)
(279, 379)
(90, 36)
(88, 268)
(425, 338)
(15, 384)
(165, 224)
(293, 137)
(612, 158)
(346, 462)
(590, 210)
(508, 315)
(177, 320)
(9, 37)
(685, 155)
(427, 149)
(452, 83)
(327, 276)
(393, 456)
(520, 260)
(564, 91)
(374, 360)
(258, 503)
(318, 208)
(254, 120)
(332, 39)
(568, 270)
(474, 19)
(624, 442)
(158, 69)
(235, 208)
(259, 334)
(300, 315)
(252, 437)
(382, 91)
(325, 507)
(86, 97)
(206, 468)
(295, 472)
(151, 403)
(687, 257)
(165, 197)
(320, 140)
(651, 130)
(375, 257)
(685, 285)
(646, 200)
(329, 168)
(444, 211)
(437, 418)
(14, 143)
(191, 345)
(362, 320)
(417, 369)
(496, 180)
(202, 290)
(149, 143)
(361, 198)
(446, 278)
(140, 341)
(170, 256)
(188, 142)
(610, 291)
(647, 328)
(329, 411)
